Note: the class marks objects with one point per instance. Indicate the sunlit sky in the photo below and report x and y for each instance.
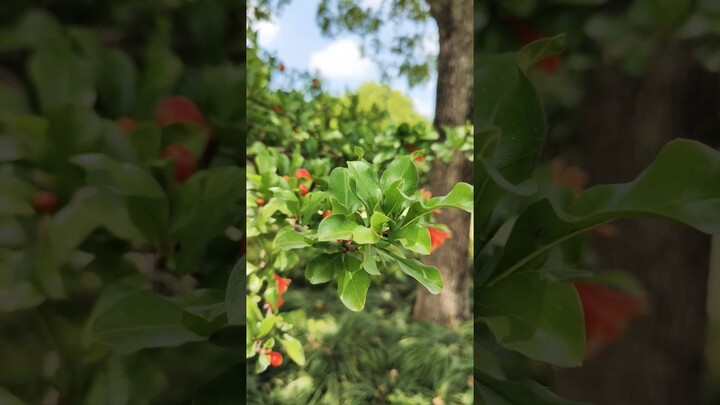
(296, 40)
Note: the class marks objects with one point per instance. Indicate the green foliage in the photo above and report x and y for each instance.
(129, 257)
(527, 249)
(376, 221)
(398, 107)
(379, 356)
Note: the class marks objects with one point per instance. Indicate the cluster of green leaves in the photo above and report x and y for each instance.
(520, 305)
(131, 259)
(372, 217)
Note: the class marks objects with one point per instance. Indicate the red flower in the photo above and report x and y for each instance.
(527, 34)
(282, 286)
(184, 161)
(282, 283)
(281, 67)
(277, 109)
(437, 237)
(260, 202)
(177, 110)
(569, 176)
(412, 149)
(126, 124)
(303, 173)
(45, 201)
(276, 359)
(280, 302)
(303, 189)
(608, 312)
(326, 214)
(550, 64)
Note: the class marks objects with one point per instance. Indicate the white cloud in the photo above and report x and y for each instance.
(371, 4)
(267, 32)
(431, 43)
(423, 97)
(425, 106)
(341, 60)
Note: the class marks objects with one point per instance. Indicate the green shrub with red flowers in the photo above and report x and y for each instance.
(122, 203)
(345, 224)
(333, 190)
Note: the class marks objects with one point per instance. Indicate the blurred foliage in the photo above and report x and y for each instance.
(379, 356)
(396, 105)
(106, 244)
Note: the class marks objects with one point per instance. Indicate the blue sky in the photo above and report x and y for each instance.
(296, 40)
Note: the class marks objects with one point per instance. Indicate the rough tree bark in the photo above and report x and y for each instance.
(454, 19)
(660, 359)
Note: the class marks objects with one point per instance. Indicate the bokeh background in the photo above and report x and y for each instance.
(635, 75)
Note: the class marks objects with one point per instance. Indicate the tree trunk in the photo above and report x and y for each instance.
(453, 108)
(660, 359)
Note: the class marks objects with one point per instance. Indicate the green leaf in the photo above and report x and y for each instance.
(393, 199)
(266, 325)
(141, 319)
(353, 284)
(127, 179)
(35, 28)
(525, 188)
(461, 196)
(559, 338)
(359, 152)
(414, 238)
(146, 140)
(680, 185)
(423, 242)
(110, 384)
(536, 51)
(368, 263)
(498, 392)
(145, 200)
(8, 398)
(400, 168)
(377, 220)
(210, 202)
(363, 235)
(311, 203)
(74, 86)
(511, 123)
(324, 268)
(336, 226)
(288, 239)
(88, 210)
(340, 191)
(367, 186)
(161, 72)
(293, 348)
(428, 276)
(512, 308)
(117, 82)
(235, 294)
